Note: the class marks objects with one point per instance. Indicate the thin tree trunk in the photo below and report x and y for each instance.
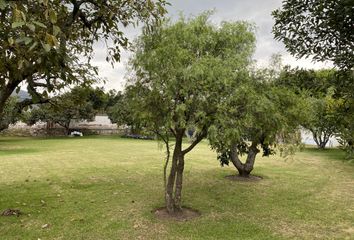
(170, 200)
(173, 194)
(179, 181)
(168, 154)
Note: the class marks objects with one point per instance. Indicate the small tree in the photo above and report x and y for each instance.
(324, 120)
(181, 72)
(256, 116)
(75, 105)
(319, 88)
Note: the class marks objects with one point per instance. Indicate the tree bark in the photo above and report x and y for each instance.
(177, 153)
(179, 180)
(320, 138)
(173, 192)
(244, 169)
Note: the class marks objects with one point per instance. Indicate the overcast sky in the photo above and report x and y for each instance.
(255, 11)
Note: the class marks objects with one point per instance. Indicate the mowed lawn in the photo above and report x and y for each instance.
(106, 188)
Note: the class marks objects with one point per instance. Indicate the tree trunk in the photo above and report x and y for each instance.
(179, 180)
(174, 181)
(244, 169)
(320, 138)
(322, 144)
(173, 192)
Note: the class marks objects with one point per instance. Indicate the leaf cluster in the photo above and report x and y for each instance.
(322, 29)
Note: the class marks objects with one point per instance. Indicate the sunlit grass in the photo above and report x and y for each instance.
(106, 187)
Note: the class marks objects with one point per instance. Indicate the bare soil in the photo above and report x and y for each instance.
(11, 212)
(185, 215)
(250, 178)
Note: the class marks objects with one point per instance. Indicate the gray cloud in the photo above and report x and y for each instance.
(255, 11)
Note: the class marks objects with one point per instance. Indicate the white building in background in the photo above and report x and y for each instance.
(100, 122)
(101, 125)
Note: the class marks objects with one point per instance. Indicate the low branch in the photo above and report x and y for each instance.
(199, 138)
(28, 102)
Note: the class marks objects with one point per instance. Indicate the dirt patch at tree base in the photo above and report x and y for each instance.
(250, 178)
(11, 212)
(185, 215)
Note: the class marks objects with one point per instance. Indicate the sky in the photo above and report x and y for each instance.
(255, 11)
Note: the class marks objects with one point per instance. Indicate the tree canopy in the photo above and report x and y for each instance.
(320, 28)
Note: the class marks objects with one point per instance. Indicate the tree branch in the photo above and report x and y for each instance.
(199, 138)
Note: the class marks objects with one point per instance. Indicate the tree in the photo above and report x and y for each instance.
(180, 74)
(48, 44)
(320, 28)
(256, 116)
(324, 120)
(320, 89)
(75, 105)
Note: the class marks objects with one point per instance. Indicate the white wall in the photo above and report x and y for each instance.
(308, 139)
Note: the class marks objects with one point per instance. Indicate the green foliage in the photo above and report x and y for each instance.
(75, 105)
(322, 29)
(346, 127)
(182, 69)
(313, 82)
(257, 113)
(122, 111)
(324, 121)
(329, 93)
(48, 44)
(11, 113)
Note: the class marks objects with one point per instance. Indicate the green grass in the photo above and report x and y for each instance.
(106, 187)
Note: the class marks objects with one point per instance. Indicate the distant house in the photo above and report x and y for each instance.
(100, 125)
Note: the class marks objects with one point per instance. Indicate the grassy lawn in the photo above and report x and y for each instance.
(106, 187)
